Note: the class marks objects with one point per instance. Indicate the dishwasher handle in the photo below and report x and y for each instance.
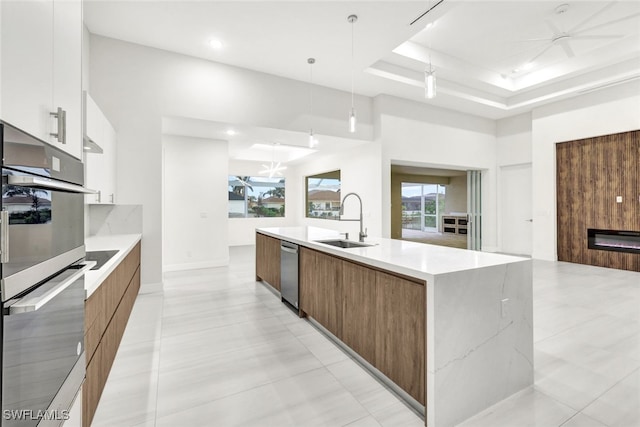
(289, 247)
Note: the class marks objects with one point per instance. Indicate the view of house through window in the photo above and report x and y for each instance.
(256, 196)
(323, 195)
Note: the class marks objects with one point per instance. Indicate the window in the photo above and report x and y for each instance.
(256, 196)
(323, 195)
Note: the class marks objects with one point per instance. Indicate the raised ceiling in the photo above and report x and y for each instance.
(492, 58)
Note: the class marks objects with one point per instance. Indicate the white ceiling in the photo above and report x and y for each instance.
(474, 46)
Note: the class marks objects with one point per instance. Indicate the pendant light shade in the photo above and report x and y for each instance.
(430, 83)
(352, 120)
(352, 114)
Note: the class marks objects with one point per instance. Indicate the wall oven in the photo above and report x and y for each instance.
(42, 287)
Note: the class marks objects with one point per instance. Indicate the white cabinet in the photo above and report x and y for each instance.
(41, 48)
(100, 167)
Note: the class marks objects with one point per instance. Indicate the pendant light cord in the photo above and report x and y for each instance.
(352, 65)
(311, 61)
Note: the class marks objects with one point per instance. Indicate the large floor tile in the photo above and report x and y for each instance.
(323, 348)
(128, 401)
(314, 398)
(568, 383)
(528, 408)
(581, 420)
(232, 372)
(369, 391)
(620, 405)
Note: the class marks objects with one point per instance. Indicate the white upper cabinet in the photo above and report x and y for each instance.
(41, 48)
(67, 71)
(100, 167)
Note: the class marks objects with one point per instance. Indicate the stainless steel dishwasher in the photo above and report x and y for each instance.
(289, 273)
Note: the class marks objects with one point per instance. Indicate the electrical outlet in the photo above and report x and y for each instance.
(504, 307)
(618, 199)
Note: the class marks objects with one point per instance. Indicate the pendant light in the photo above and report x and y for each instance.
(313, 141)
(429, 72)
(430, 81)
(352, 115)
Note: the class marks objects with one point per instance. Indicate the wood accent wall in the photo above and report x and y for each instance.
(591, 173)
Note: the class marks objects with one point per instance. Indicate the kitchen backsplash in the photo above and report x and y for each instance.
(115, 219)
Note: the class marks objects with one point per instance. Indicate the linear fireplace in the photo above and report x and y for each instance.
(614, 240)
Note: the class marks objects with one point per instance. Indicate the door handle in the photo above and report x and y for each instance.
(529, 220)
(61, 116)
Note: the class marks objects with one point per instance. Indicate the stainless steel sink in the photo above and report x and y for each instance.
(344, 243)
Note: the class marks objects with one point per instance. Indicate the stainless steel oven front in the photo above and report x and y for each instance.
(42, 287)
(43, 362)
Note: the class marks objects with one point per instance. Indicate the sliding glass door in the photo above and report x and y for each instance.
(422, 206)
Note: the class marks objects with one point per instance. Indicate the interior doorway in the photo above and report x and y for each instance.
(429, 205)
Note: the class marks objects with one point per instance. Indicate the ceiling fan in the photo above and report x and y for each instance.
(577, 32)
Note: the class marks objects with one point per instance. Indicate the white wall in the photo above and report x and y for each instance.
(242, 230)
(360, 172)
(513, 138)
(137, 86)
(194, 222)
(456, 196)
(608, 111)
(419, 134)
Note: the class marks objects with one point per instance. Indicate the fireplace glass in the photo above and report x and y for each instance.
(614, 240)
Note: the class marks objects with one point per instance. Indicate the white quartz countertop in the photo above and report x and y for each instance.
(124, 243)
(413, 259)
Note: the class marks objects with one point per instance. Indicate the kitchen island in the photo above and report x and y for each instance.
(450, 327)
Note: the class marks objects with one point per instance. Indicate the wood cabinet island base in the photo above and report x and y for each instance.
(450, 329)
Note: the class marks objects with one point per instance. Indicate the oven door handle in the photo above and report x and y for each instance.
(26, 305)
(47, 184)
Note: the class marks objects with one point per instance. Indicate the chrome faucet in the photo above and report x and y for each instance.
(362, 234)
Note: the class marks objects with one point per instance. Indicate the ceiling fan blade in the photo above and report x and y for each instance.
(567, 49)
(552, 27)
(542, 52)
(532, 40)
(593, 37)
(590, 18)
(606, 24)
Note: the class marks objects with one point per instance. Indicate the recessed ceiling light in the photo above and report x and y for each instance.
(231, 132)
(215, 44)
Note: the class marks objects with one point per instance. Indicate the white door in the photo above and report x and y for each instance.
(516, 210)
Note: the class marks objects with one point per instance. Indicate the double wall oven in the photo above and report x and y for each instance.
(42, 268)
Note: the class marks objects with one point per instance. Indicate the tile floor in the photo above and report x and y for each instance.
(215, 348)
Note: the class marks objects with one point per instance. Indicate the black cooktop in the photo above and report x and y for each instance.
(100, 257)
